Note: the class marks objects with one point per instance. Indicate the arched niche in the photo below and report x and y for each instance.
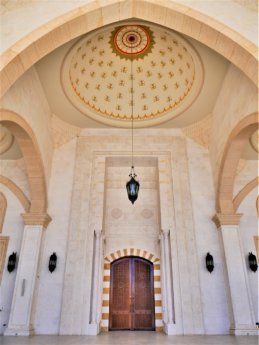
(34, 166)
(231, 156)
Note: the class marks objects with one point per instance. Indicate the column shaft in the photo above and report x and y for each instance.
(242, 320)
(169, 325)
(94, 326)
(168, 276)
(20, 316)
(163, 281)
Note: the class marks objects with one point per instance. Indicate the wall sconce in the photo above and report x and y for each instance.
(209, 262)
(11, 262)
(252, 262)
(52, 262)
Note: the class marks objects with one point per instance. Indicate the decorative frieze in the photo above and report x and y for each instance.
(226, 219)
(42, 219)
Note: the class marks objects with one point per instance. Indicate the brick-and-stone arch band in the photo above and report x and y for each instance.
(106, 284)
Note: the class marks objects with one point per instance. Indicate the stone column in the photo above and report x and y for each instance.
(241, 313)
(100, 280)
(163, 276)
(94, 326)
(20, 321)
(169, 325)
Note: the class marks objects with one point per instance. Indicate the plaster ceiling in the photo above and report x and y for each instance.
(251, 4)
(189, 111)
(191, 78)
(146, 72)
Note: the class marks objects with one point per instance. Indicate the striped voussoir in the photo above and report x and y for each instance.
(106, 284)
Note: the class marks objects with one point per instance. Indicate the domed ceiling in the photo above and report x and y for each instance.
(141, 69)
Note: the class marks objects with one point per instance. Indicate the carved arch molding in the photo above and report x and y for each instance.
(229, 163)
(106, 283)
(32, 157)
(43, 40)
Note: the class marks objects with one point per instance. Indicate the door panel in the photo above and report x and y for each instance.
(144, 295)
(120, 295)
(132, 295)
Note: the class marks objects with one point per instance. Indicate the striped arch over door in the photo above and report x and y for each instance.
(106, 284)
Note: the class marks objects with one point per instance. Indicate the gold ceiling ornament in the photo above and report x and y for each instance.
(167, 72)
(132, 41)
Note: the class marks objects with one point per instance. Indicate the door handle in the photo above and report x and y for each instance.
(131, 304)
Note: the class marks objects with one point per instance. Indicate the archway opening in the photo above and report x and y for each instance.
(29, 147)
(132, 303)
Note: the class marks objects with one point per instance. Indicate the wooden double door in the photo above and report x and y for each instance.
(132, 295)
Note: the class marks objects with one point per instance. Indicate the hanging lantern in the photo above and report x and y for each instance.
(209, 262)
(11, 262)
(52, 262)
(132, 186)
(252, 262)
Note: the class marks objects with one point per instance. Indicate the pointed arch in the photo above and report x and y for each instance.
(142, 253)
(244, 191)
(32, 157)
(43, 40)
(25, 202)
(231, 156)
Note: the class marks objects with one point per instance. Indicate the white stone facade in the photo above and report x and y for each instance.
(87, 219)
(176, 194)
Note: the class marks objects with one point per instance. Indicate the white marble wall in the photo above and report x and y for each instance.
(247, 174)
(236, 100)
(127, 225)
(12, 227)
(214, 299)
(50, 286)
(249, 226)
(27, 98)
(88, 183)
(86, 216)
(15, 170)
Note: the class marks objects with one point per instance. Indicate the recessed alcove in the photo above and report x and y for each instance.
(137, 224)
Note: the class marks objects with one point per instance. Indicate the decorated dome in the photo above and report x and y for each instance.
(145, 69)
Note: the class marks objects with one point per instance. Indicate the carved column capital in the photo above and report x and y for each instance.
(42, 219)
(98, 232)
(226, 219)
(165, 233)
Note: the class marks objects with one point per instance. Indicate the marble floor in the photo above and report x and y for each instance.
(130, 338)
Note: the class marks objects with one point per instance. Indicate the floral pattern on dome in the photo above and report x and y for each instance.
(132, 41)
(102, 81)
